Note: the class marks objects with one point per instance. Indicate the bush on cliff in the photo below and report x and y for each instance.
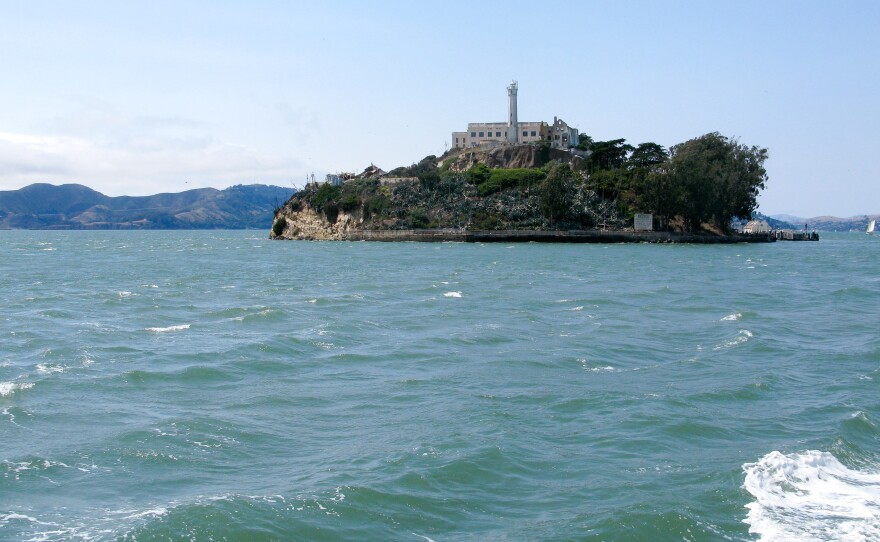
(279, 225)
(325, 194)
(331, 211)
(557, 193)
(376, 206)
(503, 179)
(349, 200)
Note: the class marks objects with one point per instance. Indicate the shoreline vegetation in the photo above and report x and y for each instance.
(532, 192)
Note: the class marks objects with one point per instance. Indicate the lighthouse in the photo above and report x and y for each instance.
(512, 124)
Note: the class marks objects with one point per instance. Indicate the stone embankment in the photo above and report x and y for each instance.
(569, 236)
(309, 225)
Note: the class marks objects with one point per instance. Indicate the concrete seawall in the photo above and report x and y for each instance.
(569, 236)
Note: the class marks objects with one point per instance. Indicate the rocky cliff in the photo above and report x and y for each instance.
(450, 193)
(508, 157)
(306, 223)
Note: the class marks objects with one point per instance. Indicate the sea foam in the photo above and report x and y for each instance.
(7, 388)
(169, 328)
(811, 496)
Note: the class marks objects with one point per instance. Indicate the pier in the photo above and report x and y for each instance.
(789, 235)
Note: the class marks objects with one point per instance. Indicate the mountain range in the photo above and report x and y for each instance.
(74, 206)
(825, 223)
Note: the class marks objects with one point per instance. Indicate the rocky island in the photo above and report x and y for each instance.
(534, 192)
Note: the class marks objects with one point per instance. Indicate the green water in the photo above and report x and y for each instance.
(219, 386)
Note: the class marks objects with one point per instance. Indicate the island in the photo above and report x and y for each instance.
(539, 181)
(598, 191)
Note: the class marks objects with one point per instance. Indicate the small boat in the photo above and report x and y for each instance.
(871, 227)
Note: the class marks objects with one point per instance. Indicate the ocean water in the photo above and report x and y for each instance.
(219, 386)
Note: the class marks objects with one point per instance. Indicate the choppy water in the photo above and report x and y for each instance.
(218, 386)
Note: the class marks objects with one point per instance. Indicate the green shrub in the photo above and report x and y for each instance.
(279, 225)
(349, 201)
(326, 193)
(483, 220)
(331, 211)
(479, 173)
(376, 205)
(502, 179)
(419, 219)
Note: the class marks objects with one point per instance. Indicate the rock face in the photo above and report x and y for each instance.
(446, 194)
(308, 224)
(511, 157)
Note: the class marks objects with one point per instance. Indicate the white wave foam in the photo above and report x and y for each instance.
(125, 294)
(152, 513)
(596, 369)
(7, 388)
(14, 516)
(742, 337)
(811, 496)
(732, 317)
(47, 368)
(169, 328)
(452, 294)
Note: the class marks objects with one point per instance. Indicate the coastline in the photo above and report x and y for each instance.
(550, 236)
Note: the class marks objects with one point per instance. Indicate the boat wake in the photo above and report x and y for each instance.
(811, 496)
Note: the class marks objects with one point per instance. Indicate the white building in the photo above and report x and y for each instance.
(560, 135)
(757, 226)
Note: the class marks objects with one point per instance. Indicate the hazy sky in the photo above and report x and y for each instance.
(142, 97)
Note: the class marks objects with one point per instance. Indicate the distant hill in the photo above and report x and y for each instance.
(74, 206)
(831, 223)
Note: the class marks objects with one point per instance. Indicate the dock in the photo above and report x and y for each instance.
(789, 235)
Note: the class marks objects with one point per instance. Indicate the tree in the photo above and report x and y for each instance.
(714, 179)
(557, 192)
(609, 154)
(647, 156)
(585, 142)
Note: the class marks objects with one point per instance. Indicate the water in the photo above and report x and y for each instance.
(219, 386)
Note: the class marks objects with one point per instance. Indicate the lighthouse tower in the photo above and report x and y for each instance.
(512, 123)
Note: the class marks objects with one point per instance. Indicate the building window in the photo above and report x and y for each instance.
(473, 134)
(497, 134)
(456, 140)
(525, 133)
(556, 136)
(533, 133)
(481, 134)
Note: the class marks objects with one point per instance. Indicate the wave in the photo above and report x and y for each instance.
(167, 329)
(742, 337)
(8, 388)
(811, 496)
(452, 294)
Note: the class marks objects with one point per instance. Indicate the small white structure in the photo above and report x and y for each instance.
(643, 222)
(335, 180)
(757, 226)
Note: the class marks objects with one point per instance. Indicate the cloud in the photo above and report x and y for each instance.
(148, 156)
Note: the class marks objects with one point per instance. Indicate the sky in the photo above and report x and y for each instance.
(136, 98)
